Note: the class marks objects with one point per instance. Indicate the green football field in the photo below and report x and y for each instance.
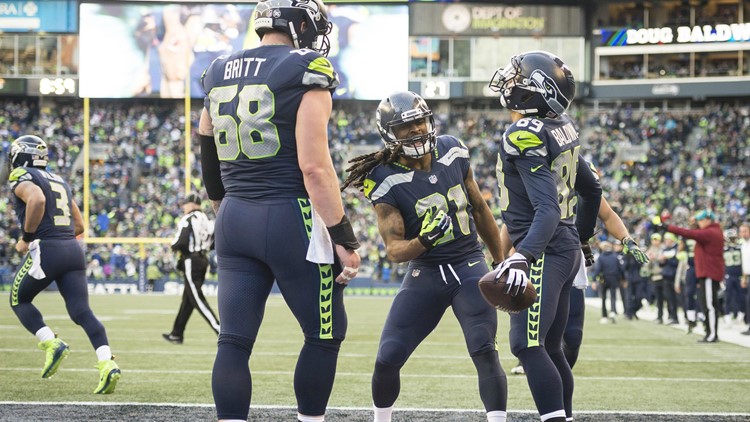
(632, 367)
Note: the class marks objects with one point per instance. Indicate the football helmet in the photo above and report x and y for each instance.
(404, 107)
(28, 151)
(287, 16)
(536, 83)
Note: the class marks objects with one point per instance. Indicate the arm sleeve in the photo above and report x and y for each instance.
(590, 197)
(211, 169)
(542, 190)
(699, 235)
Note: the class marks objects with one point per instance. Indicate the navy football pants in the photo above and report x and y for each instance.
(62, 262)
(258, 242)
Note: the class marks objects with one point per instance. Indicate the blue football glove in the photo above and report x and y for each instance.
(434, 229)
(630, 247)
(517, 267)
(588, 254)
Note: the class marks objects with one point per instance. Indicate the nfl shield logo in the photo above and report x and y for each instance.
(415, 273)
(433, 179)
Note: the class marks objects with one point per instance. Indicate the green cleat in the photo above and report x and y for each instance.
(109, 373)
(56, 350)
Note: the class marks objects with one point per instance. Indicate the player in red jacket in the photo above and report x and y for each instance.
(709, 265)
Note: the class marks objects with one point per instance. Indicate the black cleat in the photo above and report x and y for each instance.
(172, 338)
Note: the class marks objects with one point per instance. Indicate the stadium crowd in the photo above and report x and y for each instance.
(651, 162)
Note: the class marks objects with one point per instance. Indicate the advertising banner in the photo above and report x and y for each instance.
(39, 16)
(495, 20)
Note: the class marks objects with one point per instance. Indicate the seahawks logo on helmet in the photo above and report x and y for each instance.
(536, 83)
(28, 151)
(549, 90)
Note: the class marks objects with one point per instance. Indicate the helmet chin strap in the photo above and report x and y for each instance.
(295, 38)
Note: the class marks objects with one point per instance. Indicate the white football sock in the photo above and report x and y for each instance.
(45, 333)
(305, 418)
(496, 416)
(382, 414)
(104, 353)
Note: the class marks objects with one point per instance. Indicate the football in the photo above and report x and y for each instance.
(494, 293)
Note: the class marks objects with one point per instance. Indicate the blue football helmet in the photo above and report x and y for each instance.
(404, 107)
(536, 83)
(28, 151)
(287, 16)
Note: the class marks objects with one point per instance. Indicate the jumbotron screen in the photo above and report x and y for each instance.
(147, 50)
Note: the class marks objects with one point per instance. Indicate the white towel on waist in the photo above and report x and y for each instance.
(36, 261)
(320, 250)
(582, 279)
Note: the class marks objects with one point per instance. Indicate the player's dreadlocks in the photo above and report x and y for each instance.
(363, 164)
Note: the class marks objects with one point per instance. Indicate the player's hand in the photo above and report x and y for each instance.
(22, 247)
(658, 225)
(517, 268)
(588, 254)
(630, 247)
(434, 229)
(215, 204)
(350, 261)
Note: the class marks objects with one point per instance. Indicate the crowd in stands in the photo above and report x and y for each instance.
(650, 161)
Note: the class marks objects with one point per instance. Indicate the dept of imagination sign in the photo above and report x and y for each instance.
(495, 19)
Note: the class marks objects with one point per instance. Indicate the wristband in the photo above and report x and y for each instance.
(625, 239)
(28, 237)
(429, 246)
(343, 234)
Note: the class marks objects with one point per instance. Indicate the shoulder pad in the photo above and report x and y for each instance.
(380, 181)
(319, 71)
(450, 148)
(517, 141)
(18, 175)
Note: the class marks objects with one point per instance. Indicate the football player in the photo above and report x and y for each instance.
(734, 299)
(537, 170)
(51, 220)
(268, 171)
(616, 228)
(429, 210)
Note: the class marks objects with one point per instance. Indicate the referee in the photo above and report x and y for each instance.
(191, 244)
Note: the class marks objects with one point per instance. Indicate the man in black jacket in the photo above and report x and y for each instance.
(609, 271)
(669, 272)
(191, 244)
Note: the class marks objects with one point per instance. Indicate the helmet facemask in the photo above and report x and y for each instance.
(403, 108)
(416, 146)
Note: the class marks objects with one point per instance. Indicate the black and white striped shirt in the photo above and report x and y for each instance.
(194, 233)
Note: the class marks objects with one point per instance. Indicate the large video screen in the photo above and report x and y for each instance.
(147, 50)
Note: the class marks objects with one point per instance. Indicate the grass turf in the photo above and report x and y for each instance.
(629, 366)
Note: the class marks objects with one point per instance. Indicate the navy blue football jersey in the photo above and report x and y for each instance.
(252, 97)
(733, 260)
(56, 222)
(415, 192)
(537, 168)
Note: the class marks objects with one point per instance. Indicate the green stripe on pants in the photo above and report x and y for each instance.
(325, 296)
(20, 275)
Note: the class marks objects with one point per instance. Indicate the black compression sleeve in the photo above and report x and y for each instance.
(210, 167)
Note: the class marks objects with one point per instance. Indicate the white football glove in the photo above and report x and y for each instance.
(517, 268)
